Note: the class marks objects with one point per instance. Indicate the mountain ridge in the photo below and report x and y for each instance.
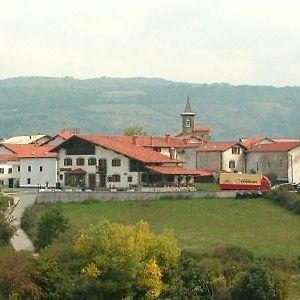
(108, 105)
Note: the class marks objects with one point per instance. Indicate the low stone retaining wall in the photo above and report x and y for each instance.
(52, 197)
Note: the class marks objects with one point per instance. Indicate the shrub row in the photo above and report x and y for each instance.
(289, 200)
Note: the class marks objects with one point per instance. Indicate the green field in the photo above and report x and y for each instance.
(201, 225)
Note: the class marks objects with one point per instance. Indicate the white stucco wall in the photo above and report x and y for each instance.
(269, 163)
(6, 175)
(37, 177)
(294, 165)
(239, 159)
(100, 153)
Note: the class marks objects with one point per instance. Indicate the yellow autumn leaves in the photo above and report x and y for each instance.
(128, 254)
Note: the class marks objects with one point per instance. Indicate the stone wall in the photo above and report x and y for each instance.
(52, 197)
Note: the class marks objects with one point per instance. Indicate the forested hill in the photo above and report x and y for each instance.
(108, 105)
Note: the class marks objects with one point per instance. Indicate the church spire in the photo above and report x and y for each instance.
(188, 117)
(188, 109)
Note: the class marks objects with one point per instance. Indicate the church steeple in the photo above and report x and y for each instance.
(188, 117)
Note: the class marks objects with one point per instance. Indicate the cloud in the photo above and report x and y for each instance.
(253, 42)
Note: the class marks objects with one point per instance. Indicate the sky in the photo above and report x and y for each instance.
(232, 41)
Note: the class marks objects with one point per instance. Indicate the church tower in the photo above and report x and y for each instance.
(188, 119)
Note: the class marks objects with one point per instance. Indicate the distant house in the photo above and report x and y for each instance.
(28, 165)
(94, 161)
(59, 138)
(280, 158)
(39, 139)
(221, 156)
(250, 142)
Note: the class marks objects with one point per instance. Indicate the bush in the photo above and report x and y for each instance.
(16, 277)
(6, 230)
(260, 284)
(51, 224)
(235, 253)
(289, 200)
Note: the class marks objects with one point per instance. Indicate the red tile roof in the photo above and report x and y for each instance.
(8, 157)
(202, 129)
(172, 170)
(251, 141)
(216, 146)
(151, 141)
(205, 172)
(130, 150)
(275, 147)
(30, 151)
(65, 134)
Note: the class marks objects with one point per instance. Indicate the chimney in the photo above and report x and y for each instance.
(172, 153)
(134, 139)
(167, 137)
(185, 141)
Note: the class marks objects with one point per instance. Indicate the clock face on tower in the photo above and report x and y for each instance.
(188, 123)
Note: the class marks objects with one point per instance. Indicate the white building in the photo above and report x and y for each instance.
(28, 165)
(281, 159)
(101, 162)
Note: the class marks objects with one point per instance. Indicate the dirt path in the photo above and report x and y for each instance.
(20, 240)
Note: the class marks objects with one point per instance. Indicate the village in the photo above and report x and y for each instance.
(120, 162)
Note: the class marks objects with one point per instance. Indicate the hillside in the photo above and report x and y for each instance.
(108, 105)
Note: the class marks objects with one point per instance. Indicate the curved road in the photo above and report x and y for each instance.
(20, 240)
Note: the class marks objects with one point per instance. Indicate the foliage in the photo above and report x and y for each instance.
(51, 224)
(6, 230)
(287, 199)
(129, 254)
(134, 130)
(17, 276)
(259, 284)
(4, 202)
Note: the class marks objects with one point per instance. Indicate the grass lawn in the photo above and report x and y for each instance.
(202, 225)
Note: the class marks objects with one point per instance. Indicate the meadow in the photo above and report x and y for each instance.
(200, 226)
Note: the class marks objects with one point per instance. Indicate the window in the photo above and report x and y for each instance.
(188, 123)
(232, 164)
(68, 162)
(129, 179)
(116, 178)
(157, 149)
(281, 163)
(28, 180)
(9, 170)
(80, 161)
(29, 168)
(92, 161)
(61, 176)
(1, 170)
(1, 182)
(170, 178)
(116, 162)
(41, 168)
(19, 168)
(257, 167)
(236, 150)
(269, 164)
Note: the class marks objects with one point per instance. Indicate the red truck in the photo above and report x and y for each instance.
(244, 182)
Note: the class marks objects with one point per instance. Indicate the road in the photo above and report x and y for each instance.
(20, 240)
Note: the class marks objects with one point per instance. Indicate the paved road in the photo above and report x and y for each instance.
(20, 240)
